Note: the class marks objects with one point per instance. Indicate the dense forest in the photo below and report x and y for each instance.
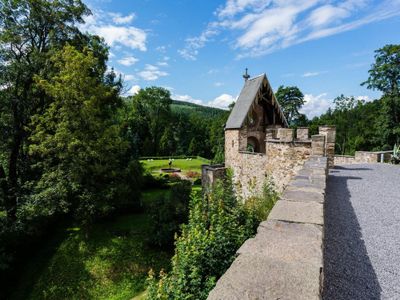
(159, 126)
(70, 145)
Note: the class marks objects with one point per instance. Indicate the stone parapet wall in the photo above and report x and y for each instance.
(330, 137)
(285, 258)
(248, 173)
(284, 159)
(344, 160)
(362, 157)
(281, 158)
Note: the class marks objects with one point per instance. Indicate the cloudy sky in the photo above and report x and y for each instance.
(199, 49)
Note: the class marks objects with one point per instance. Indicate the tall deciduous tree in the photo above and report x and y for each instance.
(384, 76)
(151, 114)
(30, 31)
(79, 148)
(291, 100)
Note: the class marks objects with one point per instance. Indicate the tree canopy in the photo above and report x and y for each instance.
(290, 99)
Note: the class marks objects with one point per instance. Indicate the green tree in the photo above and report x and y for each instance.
(151, 109)
(81, 155)
(167, 142)
(384, 76)
(30, 31)
(290, 99)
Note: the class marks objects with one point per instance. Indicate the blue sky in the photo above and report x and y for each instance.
(199, 49)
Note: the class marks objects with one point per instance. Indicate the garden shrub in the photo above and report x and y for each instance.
(152, 182)
(218, 225)
(169, 212)
(197, 181)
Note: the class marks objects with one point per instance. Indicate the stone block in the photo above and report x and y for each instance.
(285, 134)
(318, 145)
(320, 184)
(302, 196)
(289, 242)
(300, 212)
(271, 133)
(253, 277)
(329, 132)
(302, 133)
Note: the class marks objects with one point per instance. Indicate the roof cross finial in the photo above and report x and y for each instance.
(246, 76)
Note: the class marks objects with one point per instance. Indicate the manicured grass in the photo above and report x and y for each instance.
(183, 164)
(112, 263)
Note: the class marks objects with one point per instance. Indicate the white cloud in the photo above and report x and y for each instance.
(128, 61)
(217, 84)
(327, 14)
(120, 19)
(260, 27)
(193, 44)
(114, 33)
(316, 105)
(222, 101)
(129, 36)
(161, 49)
(133, 90)
(129, 77)
(162, 63)
(213, 71)
(312, 74)
(151, 73)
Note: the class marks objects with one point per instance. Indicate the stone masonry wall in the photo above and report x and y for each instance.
(284, 159)
(361, 157)
(285, 258)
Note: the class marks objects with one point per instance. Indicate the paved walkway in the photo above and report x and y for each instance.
(362, 232)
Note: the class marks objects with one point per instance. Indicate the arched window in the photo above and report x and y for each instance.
(252, 144)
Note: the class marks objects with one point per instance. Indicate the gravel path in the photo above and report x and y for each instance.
(362, 232)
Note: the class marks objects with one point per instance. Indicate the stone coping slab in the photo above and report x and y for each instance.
(302, 196)
(299, 212)
(302, 242)
(262, 277)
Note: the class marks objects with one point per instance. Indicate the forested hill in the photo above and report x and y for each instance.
(189, 108)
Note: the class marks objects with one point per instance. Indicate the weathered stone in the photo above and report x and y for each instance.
(285, 134)
(258, 277)
(304, 189)
(301, 196)
(330, 136)
(302, 133)
(300, 212)
(318, 145)
(308, 183)
(302, 242)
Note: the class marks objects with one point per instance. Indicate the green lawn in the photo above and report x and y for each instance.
(111, 264)
(183, 164)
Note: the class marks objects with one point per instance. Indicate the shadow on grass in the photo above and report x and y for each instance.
(348, 272)
(112, 262)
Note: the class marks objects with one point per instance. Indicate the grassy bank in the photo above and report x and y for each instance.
(112, 263)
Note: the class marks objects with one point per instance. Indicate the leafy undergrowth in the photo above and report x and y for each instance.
(112, 263)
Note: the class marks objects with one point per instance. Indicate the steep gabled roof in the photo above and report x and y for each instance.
(246, 98)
